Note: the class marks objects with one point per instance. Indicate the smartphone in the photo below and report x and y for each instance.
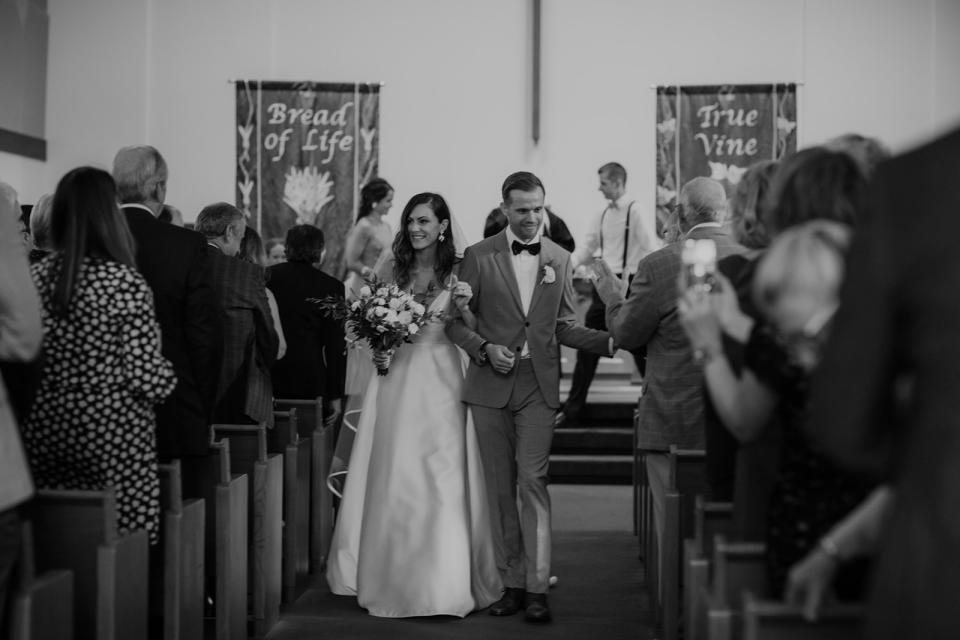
(699, 265)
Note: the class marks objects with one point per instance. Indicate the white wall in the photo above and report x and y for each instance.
(455, 106)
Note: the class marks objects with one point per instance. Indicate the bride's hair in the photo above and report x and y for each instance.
(403, 250)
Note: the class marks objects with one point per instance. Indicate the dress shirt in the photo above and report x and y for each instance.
(642, 240)
(525, 268)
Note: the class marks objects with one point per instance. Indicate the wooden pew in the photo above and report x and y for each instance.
(42, 607)
(285, 439)
(687, 481)
(248, 455)
(737, 567)
(310, 424)
(765, 620)
(226, 541)
(77, 530)
(710, 519)
(182, 525)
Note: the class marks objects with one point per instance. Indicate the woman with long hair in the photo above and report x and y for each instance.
(92, 425)
(369, 240)
(413, 535)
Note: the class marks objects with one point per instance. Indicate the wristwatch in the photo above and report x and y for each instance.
(482, 356)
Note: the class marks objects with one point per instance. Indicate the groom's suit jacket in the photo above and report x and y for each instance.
(550, 321)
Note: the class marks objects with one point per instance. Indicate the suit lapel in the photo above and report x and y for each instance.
(503, 260)
(538, 283)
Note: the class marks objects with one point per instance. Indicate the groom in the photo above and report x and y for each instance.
(523, 300)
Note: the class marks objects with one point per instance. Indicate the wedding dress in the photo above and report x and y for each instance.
(413, 536)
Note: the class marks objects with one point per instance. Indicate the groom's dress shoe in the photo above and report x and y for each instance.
(509, 604)
(537, 608)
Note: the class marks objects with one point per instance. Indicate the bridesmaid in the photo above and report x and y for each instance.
(370, 236)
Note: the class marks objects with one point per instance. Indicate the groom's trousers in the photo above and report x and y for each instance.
(515, 449)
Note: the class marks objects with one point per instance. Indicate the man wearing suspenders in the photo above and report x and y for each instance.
(623, 233)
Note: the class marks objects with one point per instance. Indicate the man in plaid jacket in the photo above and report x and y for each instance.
(671, 407)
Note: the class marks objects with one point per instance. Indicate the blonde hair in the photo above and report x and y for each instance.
(805, 260)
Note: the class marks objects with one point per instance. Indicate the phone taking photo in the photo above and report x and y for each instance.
(699, 260)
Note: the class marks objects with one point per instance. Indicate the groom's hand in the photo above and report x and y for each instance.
(501, 358)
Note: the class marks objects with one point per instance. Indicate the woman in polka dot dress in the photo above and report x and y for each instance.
(92, 425)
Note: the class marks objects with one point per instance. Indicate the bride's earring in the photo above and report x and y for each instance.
(442, 237)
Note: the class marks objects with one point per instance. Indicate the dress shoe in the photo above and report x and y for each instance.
(537, 608)
(511, 602)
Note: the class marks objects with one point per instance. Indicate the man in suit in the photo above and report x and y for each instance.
(553, 227)
(671, 407)
(174, 263)
(885, 395)
(315, 363)
(523, 301)
(244, 389)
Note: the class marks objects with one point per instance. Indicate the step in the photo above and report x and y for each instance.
(593, 469)
(593, 440)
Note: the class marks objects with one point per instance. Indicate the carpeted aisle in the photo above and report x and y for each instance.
(599, 595)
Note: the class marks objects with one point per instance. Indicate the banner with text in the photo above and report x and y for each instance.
(719, 131)
(304, 149)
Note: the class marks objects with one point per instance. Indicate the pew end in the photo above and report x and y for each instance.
(767, 620)
(182, 547)
(42, 606)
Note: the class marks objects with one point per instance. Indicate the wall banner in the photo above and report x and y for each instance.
(719, 131)
(304, 149)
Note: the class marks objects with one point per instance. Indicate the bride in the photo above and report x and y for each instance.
(413, 536)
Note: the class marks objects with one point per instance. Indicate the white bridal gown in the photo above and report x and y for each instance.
(413, 535)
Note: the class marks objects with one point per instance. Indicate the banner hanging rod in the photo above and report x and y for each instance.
(236, 80)
(722, 84)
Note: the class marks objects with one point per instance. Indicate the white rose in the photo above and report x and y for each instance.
(382, 292)
(379, 301)
(356, 305)
(418, 308)
(371, 314)
(395, 303)
(413, 329)
(405, 317)
(380, 311)
(365, 291)
(391, 317)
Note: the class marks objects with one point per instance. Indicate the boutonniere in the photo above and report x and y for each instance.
(549, 275)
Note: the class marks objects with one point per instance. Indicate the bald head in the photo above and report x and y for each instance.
(141, 176)
(702, 200)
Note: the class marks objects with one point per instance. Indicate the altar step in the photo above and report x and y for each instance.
(598, 449)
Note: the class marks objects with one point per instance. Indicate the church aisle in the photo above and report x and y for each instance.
(600, 591)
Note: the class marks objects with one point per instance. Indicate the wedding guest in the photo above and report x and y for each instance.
(749, 209)
(276, 252)
(20, 337)
(175, 265)
(22, 375)
(24, 226)
(814, 184)
(370, 238)
(171, 215)
(868, 153)
(249, 342)
(553, 227)
(93, 423)
(671, 409)
(623, 233)
(896, 325)
(40, 227)
(251, 250)
(315, 364)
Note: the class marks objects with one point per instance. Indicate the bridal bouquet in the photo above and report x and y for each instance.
(383, 315)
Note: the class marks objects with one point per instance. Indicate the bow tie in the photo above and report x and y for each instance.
(533, 248)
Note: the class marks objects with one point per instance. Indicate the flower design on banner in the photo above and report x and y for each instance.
(731, 173)
(307, 191)
(667, 128)
(665, 196)
(549, 275)
(785, 126)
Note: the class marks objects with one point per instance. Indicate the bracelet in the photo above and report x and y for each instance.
(829, 547)
(483, 351)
